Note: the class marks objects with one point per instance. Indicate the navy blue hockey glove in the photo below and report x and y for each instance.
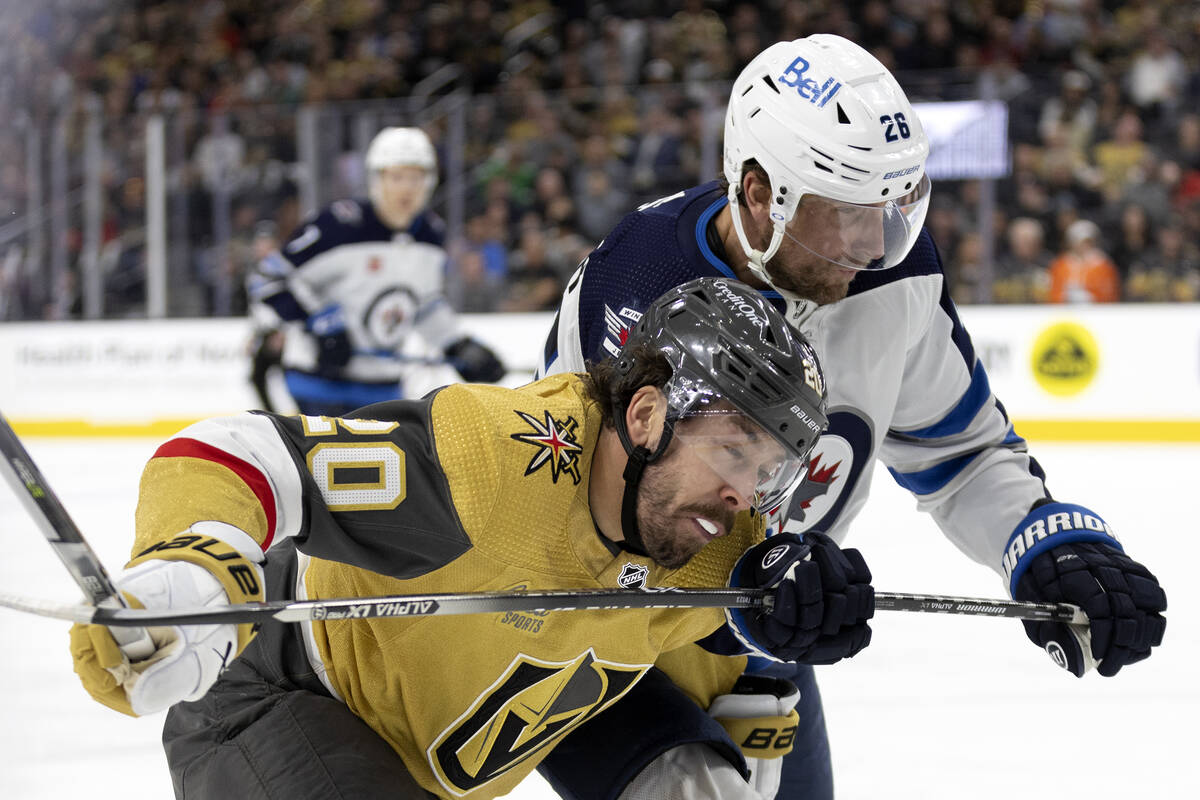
(474, 361)
(1063, 553)
(333, 343)
(823, 599)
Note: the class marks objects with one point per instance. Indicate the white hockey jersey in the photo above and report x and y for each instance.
(905, 385)
(388, 284)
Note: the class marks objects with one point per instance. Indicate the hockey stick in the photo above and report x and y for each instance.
(106, 607)
(492, 602)
(64, 535)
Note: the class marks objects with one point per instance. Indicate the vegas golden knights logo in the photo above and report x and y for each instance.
(533, 704)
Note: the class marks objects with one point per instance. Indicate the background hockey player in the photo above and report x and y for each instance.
(362, 276)
(642, 472)
(823, 210)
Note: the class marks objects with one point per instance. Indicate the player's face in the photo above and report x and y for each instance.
(691, 494)
(824, 248)
(401, 194)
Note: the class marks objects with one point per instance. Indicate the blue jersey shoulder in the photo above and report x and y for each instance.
(345, 222)
(428, 228)
(659, 246)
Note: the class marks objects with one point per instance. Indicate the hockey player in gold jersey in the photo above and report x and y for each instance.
(647, 471)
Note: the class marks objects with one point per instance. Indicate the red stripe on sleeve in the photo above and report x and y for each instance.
(251, 476)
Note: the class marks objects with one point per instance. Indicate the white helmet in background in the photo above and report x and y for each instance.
(401, 147)
(822, 116)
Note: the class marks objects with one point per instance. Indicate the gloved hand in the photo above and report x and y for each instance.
(474, 361)
(760, 717)
(189, 571)
(333, 342)
(1063, 553)
(823, 599)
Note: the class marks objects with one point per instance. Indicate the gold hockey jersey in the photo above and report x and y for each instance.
(474, 488)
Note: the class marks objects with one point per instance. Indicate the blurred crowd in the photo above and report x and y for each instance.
(579, 111)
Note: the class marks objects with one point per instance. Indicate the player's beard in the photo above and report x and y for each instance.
(665, 525)
(808, 275)
(802, 272)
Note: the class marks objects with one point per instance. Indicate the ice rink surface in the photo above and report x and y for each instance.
(937, 707)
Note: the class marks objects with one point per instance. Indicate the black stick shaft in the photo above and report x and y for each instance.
(64, 536)
(492, 602)
(52, 519)
(977, 606)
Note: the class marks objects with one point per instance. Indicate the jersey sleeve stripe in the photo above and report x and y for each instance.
(928, 481)
(963, 414)
(251, 476)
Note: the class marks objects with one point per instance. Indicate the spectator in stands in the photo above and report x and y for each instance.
(599, 203)
(533, 285)
(1157, 76)
(1021, 274)
(475, 289)
(559, 89)
(1117, 158)
(1069, 118)
(1168, 272)
(1133, 239)
(1083, 273)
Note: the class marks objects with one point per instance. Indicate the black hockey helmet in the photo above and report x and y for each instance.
(731, 351)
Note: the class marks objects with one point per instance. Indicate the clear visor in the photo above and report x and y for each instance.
(864, 237)
(740, 451)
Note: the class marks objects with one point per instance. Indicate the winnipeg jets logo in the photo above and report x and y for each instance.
(633, 575)
(816, 484)
(390, 316)
(555, 441)
(619, 324)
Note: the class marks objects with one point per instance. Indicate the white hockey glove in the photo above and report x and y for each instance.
(691, 772)
(190, 570)
(760, 716)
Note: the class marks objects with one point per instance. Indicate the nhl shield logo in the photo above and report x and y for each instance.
(633, 576)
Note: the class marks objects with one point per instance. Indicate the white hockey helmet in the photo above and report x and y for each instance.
(401, 147)
(824, 117)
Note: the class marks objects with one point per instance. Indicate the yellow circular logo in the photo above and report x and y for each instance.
(1065, 359)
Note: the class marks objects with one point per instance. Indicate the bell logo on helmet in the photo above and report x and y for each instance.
(809, 89)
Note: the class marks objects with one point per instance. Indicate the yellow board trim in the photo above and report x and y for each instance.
(1115, 430)
(75, 429)
(1036, 430)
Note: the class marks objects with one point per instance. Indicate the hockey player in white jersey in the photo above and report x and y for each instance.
(359, 278)
(822, 210)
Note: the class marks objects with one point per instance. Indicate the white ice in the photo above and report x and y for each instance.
(937, 707)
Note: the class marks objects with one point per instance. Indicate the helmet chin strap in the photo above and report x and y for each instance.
(639, 458)
(757, 259)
